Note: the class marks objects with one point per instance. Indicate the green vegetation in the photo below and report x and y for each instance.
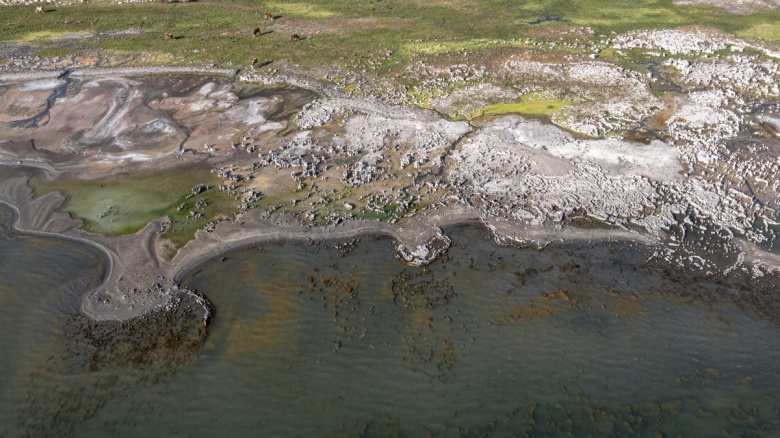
(124, 204)
(348, 34)
(301, 10)
(539, 107)
(436, 47)
(762, 31)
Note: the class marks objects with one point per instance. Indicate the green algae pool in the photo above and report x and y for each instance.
(124, 204)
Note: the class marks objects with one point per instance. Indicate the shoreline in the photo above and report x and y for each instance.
(62, 237)
(139, 279)
(90, 72)
(420, 231)
(417, 233)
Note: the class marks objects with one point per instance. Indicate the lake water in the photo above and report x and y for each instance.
(41, 283)
(338, 338)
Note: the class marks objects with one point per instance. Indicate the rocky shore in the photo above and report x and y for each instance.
(692, 170)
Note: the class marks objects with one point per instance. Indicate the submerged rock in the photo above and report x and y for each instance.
(111, 358)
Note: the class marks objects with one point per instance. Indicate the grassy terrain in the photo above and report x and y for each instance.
(339, 32)
(125, 204)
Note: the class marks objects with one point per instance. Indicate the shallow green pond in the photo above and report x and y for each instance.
(124, 204)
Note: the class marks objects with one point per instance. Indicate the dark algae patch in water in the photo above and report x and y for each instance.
(94, 362)
(339, 338)
(59, 367)
(572, 339)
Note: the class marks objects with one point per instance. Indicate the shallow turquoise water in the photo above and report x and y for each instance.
(333, 339)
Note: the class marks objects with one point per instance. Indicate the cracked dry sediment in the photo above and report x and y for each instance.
(327, 165)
